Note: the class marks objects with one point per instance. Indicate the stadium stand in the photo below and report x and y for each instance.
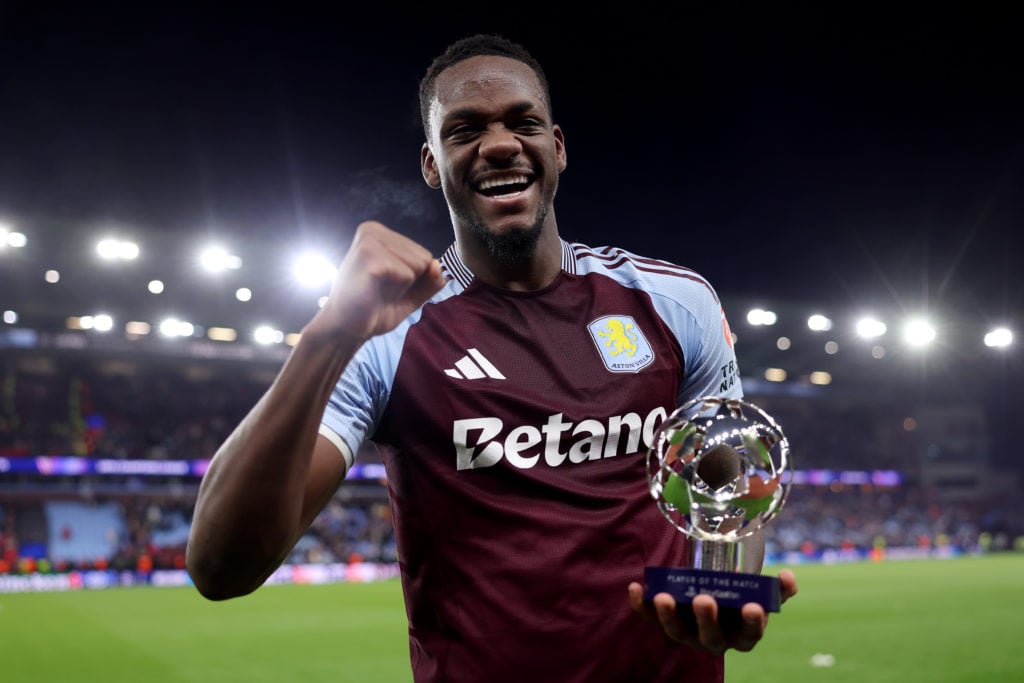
(171, 411)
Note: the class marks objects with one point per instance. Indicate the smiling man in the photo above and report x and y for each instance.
(513, 386)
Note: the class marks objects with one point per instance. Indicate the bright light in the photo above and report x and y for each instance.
(10, 317)
(217, 260)
(225, 334)
(112, 249)
(869, 328)
(1000, 337)
(313, 270)
(918, 332)
(155, 287)
(136, 328)
(264, 334)
(775, 375)
(243, 294)
(52, 277)
(172, 327)
(759, 316)
(11, 238)
(783, 343)
(819, 323)
(821, 378)
(102, 322)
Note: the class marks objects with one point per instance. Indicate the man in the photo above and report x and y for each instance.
(513, 386)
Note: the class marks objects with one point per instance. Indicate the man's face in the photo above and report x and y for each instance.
(493, 150)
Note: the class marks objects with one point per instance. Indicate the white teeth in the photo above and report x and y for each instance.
(498, 182)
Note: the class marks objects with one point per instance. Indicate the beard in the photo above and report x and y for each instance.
(513, 247)
(509, 248)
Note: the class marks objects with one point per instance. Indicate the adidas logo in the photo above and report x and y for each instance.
(474, 366)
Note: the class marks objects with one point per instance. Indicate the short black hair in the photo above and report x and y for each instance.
(475, 46)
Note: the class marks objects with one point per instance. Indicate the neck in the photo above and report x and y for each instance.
(535, 272)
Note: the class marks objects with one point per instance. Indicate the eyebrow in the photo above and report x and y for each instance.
(471, 113)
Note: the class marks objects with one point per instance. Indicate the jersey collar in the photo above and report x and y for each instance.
(456, 269)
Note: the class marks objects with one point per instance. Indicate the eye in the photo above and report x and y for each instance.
(529, 125)
(462, 133)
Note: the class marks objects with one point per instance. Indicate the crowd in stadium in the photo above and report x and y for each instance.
(160, 414)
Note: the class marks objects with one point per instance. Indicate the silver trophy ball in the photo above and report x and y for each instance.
(719, 468)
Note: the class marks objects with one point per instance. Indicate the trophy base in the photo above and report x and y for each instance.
(729, 589)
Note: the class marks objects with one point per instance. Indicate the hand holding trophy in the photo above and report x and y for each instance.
(719, 470)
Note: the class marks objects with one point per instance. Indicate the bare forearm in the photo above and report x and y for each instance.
(249, 512)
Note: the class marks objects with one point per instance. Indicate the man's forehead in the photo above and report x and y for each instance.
(486, 76)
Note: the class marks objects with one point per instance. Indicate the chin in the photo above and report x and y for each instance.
(510, 243)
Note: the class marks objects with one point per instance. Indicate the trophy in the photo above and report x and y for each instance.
(719, 470)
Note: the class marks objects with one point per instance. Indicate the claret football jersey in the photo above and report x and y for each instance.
(514, 427)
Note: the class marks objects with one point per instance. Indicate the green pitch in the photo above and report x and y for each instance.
(954, 620)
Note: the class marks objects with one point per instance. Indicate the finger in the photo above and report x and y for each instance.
(428, 284)
(639, 605)
(709, 630)
(676, 622)
(788, 585)
(753, 622)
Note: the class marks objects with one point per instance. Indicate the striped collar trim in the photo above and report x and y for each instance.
(455, 268)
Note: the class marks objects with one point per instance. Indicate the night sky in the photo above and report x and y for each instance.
(851, 157)
(856, 159)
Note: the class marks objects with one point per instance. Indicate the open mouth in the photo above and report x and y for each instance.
(505, 187)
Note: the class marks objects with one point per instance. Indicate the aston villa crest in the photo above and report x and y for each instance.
(621, 343)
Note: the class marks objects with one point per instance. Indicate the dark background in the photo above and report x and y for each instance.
(846, 157)
(849, 155)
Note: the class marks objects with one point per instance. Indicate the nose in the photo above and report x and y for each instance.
(501, 144)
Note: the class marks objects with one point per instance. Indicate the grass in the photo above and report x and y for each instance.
(940, 620)
(949, 620)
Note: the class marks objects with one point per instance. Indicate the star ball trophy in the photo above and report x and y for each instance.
(719, 470)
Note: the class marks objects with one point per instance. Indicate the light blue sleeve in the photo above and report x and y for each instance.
(361, 394)
(711, 366)
(692, 310)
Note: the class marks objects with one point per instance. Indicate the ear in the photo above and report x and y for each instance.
(563, 160)
(428, 166)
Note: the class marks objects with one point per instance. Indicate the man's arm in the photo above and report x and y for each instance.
(274, 473)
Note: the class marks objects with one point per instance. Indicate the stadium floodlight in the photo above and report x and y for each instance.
(313, 270)
(136, 328)
(11, 238)
(821, 378)
(155, 286)
(225, 334)
(172, 327)
(1000, 337)
(217, 259)
(102, 322)
(759, 316)
(819, 323)
(869, 327)
(243, 294)
(265, 334)
(10, 317)
(918, 332)
(111, 249)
